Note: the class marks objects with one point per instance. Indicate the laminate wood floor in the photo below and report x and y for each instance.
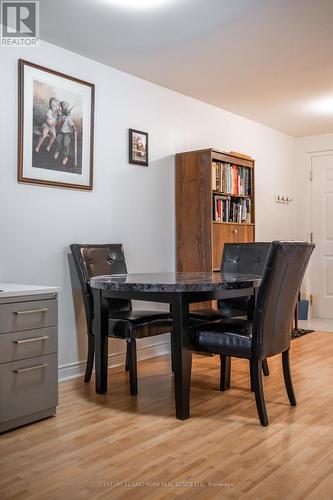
(118, 446)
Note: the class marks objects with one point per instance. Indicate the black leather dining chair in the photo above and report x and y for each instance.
(268, 334)
(245, 258)
(124, 322)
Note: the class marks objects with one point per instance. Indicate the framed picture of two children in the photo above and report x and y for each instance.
(56, 128)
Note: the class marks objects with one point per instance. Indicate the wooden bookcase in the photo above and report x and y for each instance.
(199, 239)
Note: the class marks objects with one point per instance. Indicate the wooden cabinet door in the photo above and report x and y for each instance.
(229, 233)
(245, 234)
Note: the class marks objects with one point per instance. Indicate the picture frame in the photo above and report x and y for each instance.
(55, 128)
(138, 147)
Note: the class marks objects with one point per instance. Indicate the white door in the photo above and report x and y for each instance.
(322, 228)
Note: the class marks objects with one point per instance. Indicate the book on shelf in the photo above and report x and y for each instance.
(229, 209)
(214, 176)
(231, 179)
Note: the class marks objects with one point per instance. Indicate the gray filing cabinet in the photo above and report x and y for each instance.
(28, 358)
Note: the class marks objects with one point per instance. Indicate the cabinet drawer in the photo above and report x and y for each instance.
(28, 386)
(28, 344)
(28, 315)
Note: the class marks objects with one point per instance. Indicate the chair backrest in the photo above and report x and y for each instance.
(248, 258)
(244, 257)
(97, 260)
(277, 296)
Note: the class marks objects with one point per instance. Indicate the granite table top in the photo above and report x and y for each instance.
(175, 282)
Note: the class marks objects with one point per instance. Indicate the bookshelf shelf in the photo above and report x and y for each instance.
(200, 238)
(220, 193)
(234, 223)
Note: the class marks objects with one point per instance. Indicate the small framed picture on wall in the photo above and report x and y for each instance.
(138, 147)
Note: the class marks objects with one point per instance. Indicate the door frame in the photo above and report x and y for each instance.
(310, 229)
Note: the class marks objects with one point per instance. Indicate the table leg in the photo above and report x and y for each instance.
(182, 357)
(101, 342)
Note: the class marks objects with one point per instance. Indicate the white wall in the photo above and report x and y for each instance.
(129, 204)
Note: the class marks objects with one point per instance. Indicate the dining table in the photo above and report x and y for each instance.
(179, 290)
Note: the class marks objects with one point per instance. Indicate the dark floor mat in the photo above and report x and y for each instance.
(299, 333)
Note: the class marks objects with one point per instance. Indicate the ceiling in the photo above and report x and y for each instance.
(268, 60)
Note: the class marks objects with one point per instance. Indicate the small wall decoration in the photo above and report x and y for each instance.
(138, 147)
(56, 128)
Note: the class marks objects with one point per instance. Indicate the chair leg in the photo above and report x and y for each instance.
(287, 378)
(265, 368)
(127, 357)
(225, 368)
(132, 367)
(265, 371)
(90, 358)
(258, 390)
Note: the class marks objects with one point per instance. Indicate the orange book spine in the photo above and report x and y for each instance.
(235, 176)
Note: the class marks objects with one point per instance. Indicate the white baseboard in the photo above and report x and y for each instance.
(77, 369)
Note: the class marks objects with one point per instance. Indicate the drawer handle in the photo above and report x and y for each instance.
(32, 311)
(26, 341)
(235, 231)
(31, 368)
